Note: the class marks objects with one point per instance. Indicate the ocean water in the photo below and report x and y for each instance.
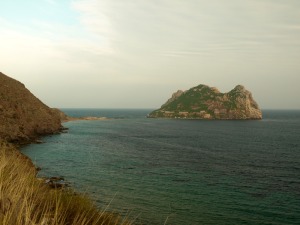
(181, 172)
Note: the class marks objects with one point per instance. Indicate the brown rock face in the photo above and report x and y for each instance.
(174, 96)
(204, 102)
(246, 106)
(23, 117)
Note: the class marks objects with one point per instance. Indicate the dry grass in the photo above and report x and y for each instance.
(25, 200)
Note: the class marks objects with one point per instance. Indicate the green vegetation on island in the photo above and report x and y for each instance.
(204, 102)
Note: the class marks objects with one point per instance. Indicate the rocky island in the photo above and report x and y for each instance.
(204, 102)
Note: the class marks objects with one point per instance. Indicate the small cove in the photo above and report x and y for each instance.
(188, 172)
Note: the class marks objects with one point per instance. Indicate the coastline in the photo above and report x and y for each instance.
(26, 199)
(89, 118)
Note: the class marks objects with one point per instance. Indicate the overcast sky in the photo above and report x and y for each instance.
(136, 53)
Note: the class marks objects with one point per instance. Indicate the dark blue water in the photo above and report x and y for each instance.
(181, 171)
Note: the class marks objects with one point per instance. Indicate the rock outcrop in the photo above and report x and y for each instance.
(204, 102)
(23, 117)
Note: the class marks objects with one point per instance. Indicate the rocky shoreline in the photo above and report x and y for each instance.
(26, 199)
(24, 119)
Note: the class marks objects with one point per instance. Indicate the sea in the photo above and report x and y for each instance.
(180, 171)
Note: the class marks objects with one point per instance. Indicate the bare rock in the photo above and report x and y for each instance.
(175, 95)
(23, 117)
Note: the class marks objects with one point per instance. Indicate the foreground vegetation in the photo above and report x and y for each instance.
(25, 200)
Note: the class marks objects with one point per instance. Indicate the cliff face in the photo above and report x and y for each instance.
(203, 102)
(23, 117)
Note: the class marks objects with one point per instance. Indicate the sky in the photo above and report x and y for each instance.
(136, 53)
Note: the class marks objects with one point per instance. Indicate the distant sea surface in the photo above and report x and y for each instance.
(181, 172)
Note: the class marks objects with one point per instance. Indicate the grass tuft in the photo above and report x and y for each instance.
(25, 200)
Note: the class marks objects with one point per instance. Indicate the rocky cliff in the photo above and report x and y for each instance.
(204, 102)
(23, 117)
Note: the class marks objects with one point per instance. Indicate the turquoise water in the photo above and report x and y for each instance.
(181, 171)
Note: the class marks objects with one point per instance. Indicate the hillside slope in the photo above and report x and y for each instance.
(23, 117)
(204, 102)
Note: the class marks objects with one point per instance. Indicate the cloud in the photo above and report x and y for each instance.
(112, 48)
(94, 18)
(50, 43)
(136, 28)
